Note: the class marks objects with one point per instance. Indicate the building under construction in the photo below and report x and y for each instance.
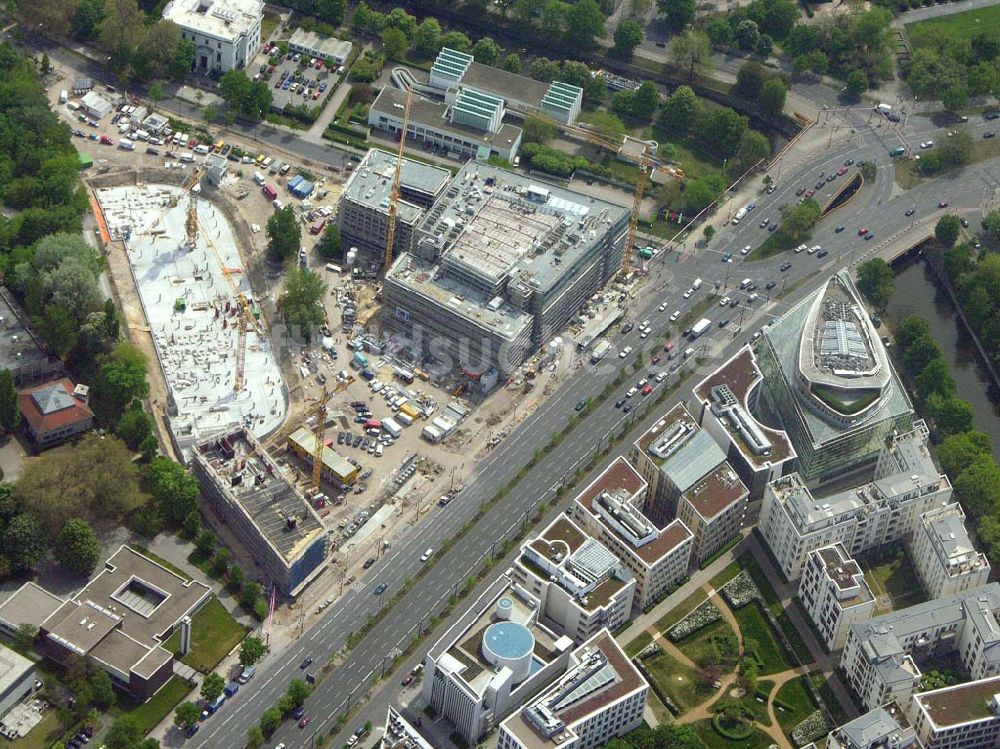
(499, 265)
(335, 468)
(248, 493)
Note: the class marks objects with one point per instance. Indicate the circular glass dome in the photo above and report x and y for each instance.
(509, 644)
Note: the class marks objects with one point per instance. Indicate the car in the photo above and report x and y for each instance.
(813, 250)
(662, 307)
(340, 438)
(641, 383)
(106, 141)
(862, 231)
(380, 588)
(581, 405)
(770, 285)
(619, 403)
(687, 294)
(724, 322)
(800, 191)
(192, 730)
(764, 223)
(304, 721)
(152, 152)
(849, 162)
(869, 235)
(647, 390)
(644, 333)
(627, 408)
(910, 211)
(306, 662)
(943, 204)
(369, 562)
(631, 392)
(407, 680)
(745, 250)
(79, 134)
(964, 222)
(838, 229)
(734, 303)
(627, 328)
(842, 171)
(655, 359)
(727, 258)
(989, 134)
(724, 301)
(800, 248)
(927, 144)
(675, 315)
(771, 188)
(772, 226)
(751, 206)
(831, 177)
(810, 192)
(785, 267)
(668, 346)
(992, 115)
(624, 352)
(822, 253)
(819, 185)
(298, 712)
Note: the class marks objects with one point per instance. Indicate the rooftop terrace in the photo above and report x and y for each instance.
(716, 492)
(962, 703)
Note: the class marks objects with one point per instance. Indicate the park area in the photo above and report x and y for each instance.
(963, 25)
(718, 661)
(893, 581)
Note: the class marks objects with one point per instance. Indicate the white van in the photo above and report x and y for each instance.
(142, 135)
(753, 298)
(427, 555)
(187, 158)
(278, 205)
(696, 284)
(123, 127)
(202, 149)
(63, 96)
(73, 106)
(689, 353)
(126, 145)
(259, 178)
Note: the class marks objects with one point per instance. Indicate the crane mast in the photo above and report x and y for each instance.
(633, 219)
(390, 235)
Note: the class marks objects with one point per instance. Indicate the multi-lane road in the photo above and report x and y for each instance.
(881, 207)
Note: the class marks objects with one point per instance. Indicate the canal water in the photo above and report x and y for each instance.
(915, 292)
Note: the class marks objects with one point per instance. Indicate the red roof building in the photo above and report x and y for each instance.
(55, 411)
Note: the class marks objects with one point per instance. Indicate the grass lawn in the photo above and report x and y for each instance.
(965, 24)
(677, 613)
(755, 704)
(267, 26)
(893, 581)
(755, 627)
(774, 606)
(681, 684)
(692, 159)
(826, 694)
(42, 736)
(638, 644)
(793, 695)
(214, 633)
(714, 740)
(698, 646)
(731, 570)
(150, 713)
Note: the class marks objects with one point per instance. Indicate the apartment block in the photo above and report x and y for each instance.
(608, 509)
(880, 657)
(834, 593)
(906, 485)
(885, 727)
(963, 716)
(944, 556)
(713, 509)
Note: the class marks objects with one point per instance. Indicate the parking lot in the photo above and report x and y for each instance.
(293, 79)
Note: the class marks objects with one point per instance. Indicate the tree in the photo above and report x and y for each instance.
(537, 130)
(957, 150)
(183, 59)
(754, 147)
(252, 650)
(991, 223)
(955, 97)
(746, 35)
(249, 595)
(678, 13)
(698, 194)
(174, 489)
(301, 303)
(394, 43)
(772, 98)
(102, 691)
(953, 415)
(121, 30)
(709, 233)
(607, 125)
(721, 129)
(133, 427)
(186, 715)
(543, 69)
(857, 84)
(398, 18)
(425, 37)
(920, 353)
(255, 737)
(120, 382)
(249, 98)
(270, 720)
(511, 63)
(584, 23)
(125, 733)
(192, 524)
(455, 40)
(691, 50)
(931, 73)
(910, 329)
(765, 45)
(10, 414)
(935, 380)
(680, 110)
(77, 548)
(156, 92)
(875, 278)
(979, 487)
(947, 229)
(750, 79)
(814, 61)
(284, 235)
(236, 578)
(297, 692)
(212, 686)
(798, 219)
(24, 542)
(960, 450)
(25, 636)
(156, 52)
(486, 51)
(220, 564)
(329, 246)
(628, 36)
(206, 542)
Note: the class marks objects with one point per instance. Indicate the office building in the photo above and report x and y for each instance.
(945, 559)
(601, 696)
(336, 469)
(906, 485)
(456, 73)
(120, 620)
(363, 210)
(884, 727)
(963, 716)
(470, 128)
(313, 44)
(582, 587)
(713, 509)
(226, 33)
(834, 593)
(609, 510)
(492, 660)
(17, 681)
(499, 266)
(829, 382)
(250, 494)
(880, 657)
(400, 733)
(726, 402)
(55, 411)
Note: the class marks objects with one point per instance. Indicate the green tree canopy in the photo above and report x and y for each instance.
(10, 414)
(960, 450)
(979, 487)
(425, 37)
(486, 51)
(681, 109)
(947, 229)
(284, 235)
(772, 97)
(212, 686)
(77, 548)
(120, 382)
(186, 715)
(691, 51)
(678, 13)
(750, 79)
(301, 302)
(875, 279)
(394, 43)
(251, 651)
(174, 489)
(628, 35)
(125, 733)
(23, 542)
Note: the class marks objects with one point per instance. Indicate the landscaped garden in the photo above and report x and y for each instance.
(214, 632)
(680, 684)
(893, 580)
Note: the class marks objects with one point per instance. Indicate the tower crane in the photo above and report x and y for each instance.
(319, 431)
(633, 219)
(390, 235)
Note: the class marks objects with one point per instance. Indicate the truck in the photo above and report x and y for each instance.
(269, 192)
(231, 688)
(739, 215)
(700, 327)
(600, 349)
(392, 427)
(883, 108)
(213, 707)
